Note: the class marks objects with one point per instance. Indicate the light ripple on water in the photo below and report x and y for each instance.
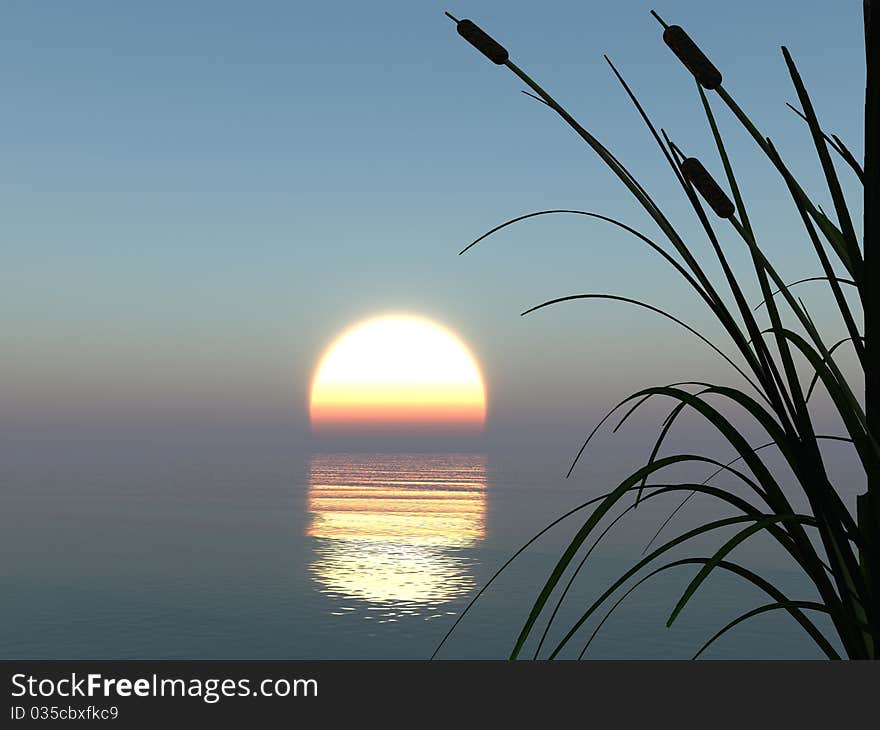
(392, 531)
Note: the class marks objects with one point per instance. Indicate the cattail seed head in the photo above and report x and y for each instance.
(692, 57)
(705, 184)
(482, 41)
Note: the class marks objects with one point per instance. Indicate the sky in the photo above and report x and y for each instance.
(197, 198)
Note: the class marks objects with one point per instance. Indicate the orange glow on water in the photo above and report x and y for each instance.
(397, 371)
(391, 529)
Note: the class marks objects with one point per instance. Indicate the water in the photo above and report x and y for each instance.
(394, 534)
(330, 555)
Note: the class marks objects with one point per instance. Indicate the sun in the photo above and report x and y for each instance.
(397, 371)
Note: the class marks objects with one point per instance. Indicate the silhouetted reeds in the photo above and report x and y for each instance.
(835, 547)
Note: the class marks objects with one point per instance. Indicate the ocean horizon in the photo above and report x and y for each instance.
(206, 554)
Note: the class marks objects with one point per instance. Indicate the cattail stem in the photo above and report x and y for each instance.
(660, 20)
(713, 299)
(853, 267)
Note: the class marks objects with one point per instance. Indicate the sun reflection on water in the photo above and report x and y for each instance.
(394, 530)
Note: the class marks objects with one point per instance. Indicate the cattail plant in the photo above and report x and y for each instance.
(705, 184)
(836, 547)
(480, 40)
(692, 57)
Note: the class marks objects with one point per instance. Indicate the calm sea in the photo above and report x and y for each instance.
(335, 555)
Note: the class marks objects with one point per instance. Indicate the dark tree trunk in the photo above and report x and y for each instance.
(869, 503)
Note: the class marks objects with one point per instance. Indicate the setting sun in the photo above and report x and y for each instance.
(397, 371)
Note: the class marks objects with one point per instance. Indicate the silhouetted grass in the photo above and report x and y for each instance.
(836, 550)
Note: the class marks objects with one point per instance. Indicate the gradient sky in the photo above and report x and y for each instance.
(198, 197)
